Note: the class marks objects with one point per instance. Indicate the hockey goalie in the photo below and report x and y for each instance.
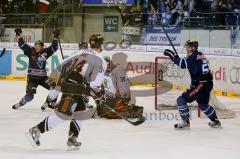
(117, 94)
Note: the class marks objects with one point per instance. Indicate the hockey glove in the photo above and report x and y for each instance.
(18, 31)
(56, 33)
(172, 55)
(98, 97)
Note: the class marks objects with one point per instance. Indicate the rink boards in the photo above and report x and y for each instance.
(139, 63)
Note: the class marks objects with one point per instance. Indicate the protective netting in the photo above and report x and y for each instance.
(171, 81)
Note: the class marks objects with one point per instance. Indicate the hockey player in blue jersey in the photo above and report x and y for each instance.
(37, 74)
(201, 84)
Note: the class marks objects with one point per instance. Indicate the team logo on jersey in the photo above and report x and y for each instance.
(42, 57)
(40, 64)
(106, 84)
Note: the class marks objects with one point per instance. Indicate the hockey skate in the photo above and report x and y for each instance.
(33, 135)
(73, 144)
(184, 125)
(215, 124)
(46, 105)
(16, 106)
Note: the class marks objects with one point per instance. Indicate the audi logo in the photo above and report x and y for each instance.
(235, 75)
(170, 70)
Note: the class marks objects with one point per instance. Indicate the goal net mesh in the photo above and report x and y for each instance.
(171, 81)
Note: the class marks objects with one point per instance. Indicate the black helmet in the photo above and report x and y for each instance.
(82, 45)
(40, 42)
(195, 44)
(96, 40)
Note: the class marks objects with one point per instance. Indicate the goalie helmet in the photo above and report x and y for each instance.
(96, 41)
(82, 45)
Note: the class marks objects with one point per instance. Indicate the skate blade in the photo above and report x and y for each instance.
(73, 148)
(30, 140)
(217, 127)
(179, 129)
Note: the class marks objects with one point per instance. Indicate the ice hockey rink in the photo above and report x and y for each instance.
(114, 139)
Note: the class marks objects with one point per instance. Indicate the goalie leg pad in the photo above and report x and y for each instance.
(133, 111)
(105, 112)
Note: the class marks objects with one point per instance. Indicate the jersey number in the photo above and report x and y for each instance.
(205, 68)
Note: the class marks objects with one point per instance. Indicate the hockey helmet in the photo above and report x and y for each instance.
(96, 41)
(82, 45)
(195, 43)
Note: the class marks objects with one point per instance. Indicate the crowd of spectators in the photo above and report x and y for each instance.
(145, 12)
(175, 12)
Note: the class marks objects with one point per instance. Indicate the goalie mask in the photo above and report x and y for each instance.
(96, 41)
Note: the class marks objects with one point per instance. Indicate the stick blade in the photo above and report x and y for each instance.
(140, 121)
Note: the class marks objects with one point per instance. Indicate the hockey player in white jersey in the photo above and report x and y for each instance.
(77, 75)
(53, 94)
(118, 94)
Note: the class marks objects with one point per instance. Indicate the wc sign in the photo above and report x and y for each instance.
(110, 23)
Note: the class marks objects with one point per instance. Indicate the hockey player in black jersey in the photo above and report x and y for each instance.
(37, 73)
(201, 84)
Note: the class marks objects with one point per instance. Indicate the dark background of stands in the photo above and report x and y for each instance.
(187, 13)
(190, 14)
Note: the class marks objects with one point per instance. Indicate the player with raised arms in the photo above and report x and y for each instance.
(201, 84)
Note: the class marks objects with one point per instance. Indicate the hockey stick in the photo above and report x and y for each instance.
(59, 43)
(3, 52)
(163, 28)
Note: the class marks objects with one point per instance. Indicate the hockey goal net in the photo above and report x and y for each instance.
(171, 81)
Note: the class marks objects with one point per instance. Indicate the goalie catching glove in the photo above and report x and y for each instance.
(172, 55)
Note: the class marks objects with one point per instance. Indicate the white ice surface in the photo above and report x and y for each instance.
(113, 139)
